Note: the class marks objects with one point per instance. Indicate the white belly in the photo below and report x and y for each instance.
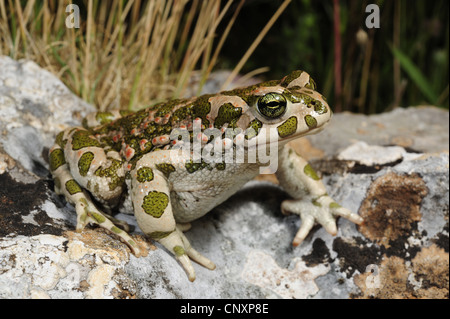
(194, 195)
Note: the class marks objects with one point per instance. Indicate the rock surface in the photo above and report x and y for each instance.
(391, 168)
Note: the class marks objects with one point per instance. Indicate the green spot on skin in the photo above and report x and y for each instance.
(84, 123)
(320, 108)
(116, 230)
(310, 121)
(98, 217)
(335, 205)
(227, 114)
(104, 117)
(192, 167)
(304, 96)
(112, 173)
(316, 203)
(291, 77)
(288, 128)
(82, 139)
(155, 203)
(72, 187)
(253, 129)
(84, 163)
(166, 169)
(310, 172)
(56, 159)
(179, 251)
(83, 217)
(144, 174)
(132, 243)
(59, 139)
(293, 96)
(221, 166)
(156, 235)
(311, 85)
(201, 108)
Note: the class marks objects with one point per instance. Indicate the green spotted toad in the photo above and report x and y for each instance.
(159, 161)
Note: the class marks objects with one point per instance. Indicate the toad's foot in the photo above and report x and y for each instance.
(323, 210)
(184, 253)
(88, 213)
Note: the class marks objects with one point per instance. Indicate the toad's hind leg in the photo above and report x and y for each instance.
(72, 188)
(150, 194)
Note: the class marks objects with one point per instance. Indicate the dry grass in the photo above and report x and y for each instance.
(126, 53)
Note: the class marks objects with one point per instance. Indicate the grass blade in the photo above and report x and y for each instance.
(416, 75)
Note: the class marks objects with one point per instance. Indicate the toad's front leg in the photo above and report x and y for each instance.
(311, 200)
(150, 194)
(88, 164)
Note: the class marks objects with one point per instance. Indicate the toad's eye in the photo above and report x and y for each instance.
(272, 105)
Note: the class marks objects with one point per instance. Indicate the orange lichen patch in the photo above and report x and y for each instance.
(361, 131)
(102, 240)
(430, 267)
(391, 207)
(402, 141)
(426, 276)
(388, 280)
(6, 162)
